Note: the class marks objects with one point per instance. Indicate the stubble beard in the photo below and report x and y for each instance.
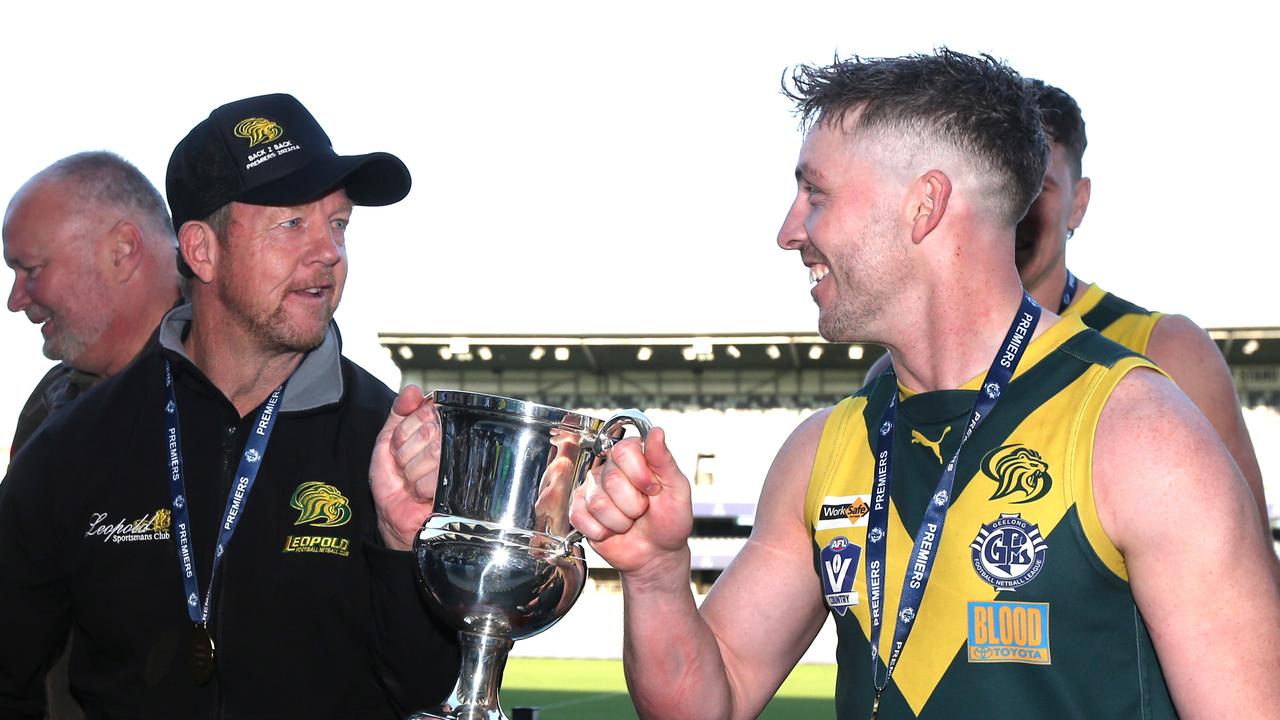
(854, 314)
(74, 336)
(273, 328)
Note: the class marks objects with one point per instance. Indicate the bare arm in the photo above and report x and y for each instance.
(764, 611)
(1205, 588)
(1185, 351)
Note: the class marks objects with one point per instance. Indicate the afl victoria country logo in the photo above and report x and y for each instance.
(258, 130)
(1017, 470)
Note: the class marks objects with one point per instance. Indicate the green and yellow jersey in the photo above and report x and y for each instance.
(1117, 319)
(1028, 612)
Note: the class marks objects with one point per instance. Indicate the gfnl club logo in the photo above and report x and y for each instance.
(839, 568)
(1008, 552)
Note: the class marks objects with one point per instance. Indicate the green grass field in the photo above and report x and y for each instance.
(596, 690)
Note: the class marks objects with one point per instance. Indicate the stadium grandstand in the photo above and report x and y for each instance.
(727, 402)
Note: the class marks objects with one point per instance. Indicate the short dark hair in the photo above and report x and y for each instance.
(1062, 120)
(976, 104)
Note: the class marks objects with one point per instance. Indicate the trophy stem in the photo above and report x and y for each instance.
(475, 695)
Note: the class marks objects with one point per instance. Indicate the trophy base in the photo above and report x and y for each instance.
(472, 713)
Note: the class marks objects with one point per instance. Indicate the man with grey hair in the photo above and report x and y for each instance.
(91, 246)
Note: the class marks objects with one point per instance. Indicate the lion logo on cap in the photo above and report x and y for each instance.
(258, 130)
(320, 505)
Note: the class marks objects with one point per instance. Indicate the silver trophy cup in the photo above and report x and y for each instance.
(497, 557)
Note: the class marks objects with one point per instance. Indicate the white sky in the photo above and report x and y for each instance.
(610, 167)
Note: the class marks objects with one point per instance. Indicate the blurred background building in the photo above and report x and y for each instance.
(727, 401)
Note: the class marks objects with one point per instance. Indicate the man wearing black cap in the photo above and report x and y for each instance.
(187, 601)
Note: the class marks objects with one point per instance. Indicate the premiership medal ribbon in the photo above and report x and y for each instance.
(202, 658)
(928, 537)
(1068, 292)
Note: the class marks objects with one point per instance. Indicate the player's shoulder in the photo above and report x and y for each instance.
(1175, 334)
(1148, 419)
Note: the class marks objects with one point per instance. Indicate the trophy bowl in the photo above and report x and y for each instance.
(497, 557)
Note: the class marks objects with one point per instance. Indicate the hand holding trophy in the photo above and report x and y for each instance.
(498, 559)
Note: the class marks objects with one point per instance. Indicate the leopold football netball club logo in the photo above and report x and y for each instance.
(258, 130)
(320, 505)
(1008, 552)
(1017, 469)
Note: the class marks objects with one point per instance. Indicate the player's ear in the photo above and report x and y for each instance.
(1079, 201)
(929, 196)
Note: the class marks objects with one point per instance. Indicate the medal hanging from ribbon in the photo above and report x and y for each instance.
(255, 448)
(929, 536)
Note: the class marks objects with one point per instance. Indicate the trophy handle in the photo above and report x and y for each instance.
(603, 444)
(605, 440)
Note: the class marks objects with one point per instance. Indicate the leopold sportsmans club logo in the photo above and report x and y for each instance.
(1017, 469)
(258, 130)
(154, 526)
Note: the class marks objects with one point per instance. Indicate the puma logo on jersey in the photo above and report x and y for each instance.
(1017, 469)
(935, 445)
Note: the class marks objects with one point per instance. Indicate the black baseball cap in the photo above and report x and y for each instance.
(269, 150)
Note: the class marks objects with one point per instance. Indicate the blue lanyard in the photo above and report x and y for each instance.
(1068, 292)
(254, 450)
(925, 548)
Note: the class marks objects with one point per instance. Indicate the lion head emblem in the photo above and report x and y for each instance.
(320, 505)
(258, 130)
(162, 520)
(1017, 469)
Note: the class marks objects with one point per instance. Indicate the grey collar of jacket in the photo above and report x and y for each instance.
(317, 381)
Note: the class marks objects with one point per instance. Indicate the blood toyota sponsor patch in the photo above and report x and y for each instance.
(1009, 632)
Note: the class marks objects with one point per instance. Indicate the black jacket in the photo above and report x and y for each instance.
(59, 386)
(308, 621)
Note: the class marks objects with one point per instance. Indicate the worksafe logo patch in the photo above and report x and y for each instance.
(1009, 632)
(843, 511)
(1017, 470)
(153, 526)
(258, 130)
(320, 505)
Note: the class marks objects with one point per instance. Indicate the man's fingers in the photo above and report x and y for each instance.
(622, 491)
(659, 456)
(409, 399)
(421, 426)
(627, 457)
(582, 520)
